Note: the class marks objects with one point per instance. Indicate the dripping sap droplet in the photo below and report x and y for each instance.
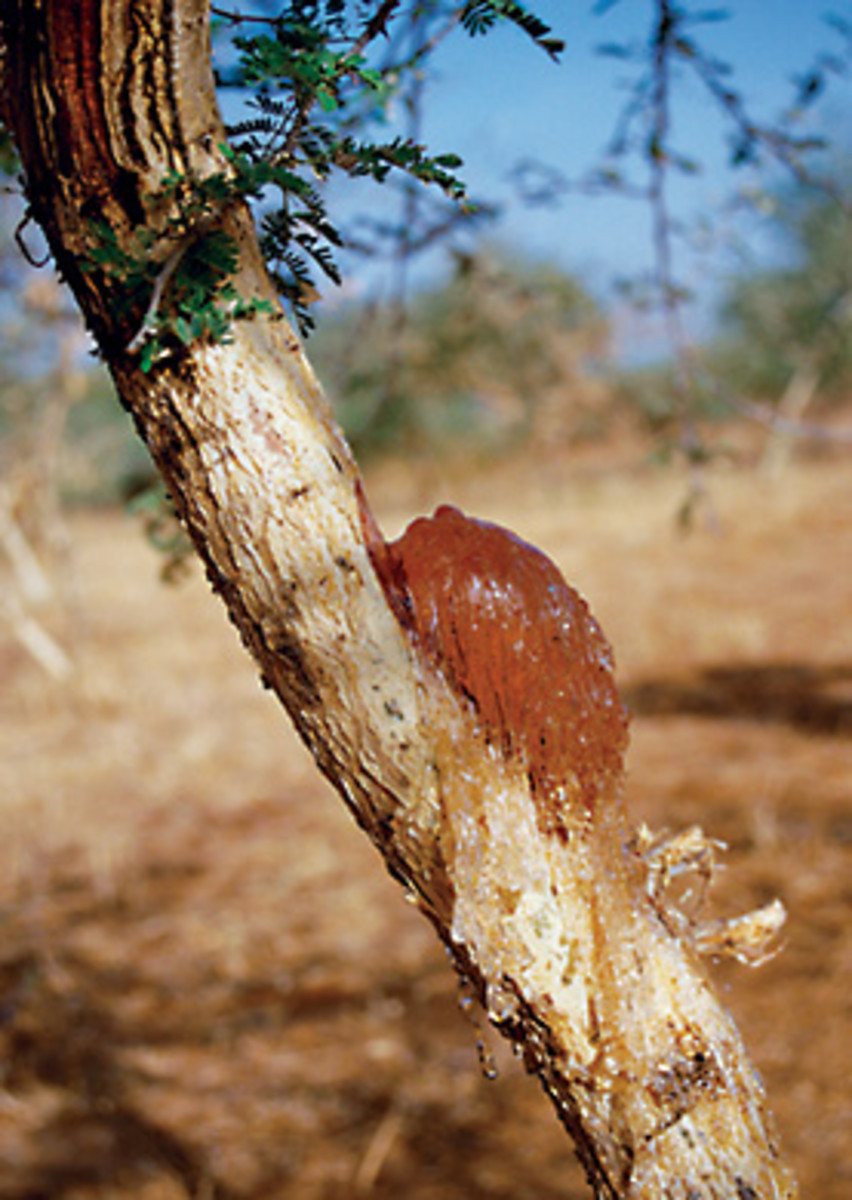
(472, 1010)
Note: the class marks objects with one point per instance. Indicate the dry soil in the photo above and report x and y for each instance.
(210, 988)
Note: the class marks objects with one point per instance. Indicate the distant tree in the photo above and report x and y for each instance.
(792, 325)
(497, 354)
(647, 161)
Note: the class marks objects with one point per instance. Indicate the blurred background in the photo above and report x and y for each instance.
(633, 346)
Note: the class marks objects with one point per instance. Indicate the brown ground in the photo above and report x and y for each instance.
(209, 987)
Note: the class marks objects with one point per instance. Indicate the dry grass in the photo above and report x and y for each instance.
(208, 987)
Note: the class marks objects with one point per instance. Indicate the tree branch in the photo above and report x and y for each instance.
(453, 688)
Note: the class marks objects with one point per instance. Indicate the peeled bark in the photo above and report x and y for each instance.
(409, 697)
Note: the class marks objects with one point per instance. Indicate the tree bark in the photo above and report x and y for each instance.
(552, 910)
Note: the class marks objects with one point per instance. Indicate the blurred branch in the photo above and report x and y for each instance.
(30, 589)
(643, 160)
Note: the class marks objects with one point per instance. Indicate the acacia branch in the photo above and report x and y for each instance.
(452, 687)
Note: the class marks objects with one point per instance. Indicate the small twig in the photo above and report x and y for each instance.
(376, 1154)
(160, 284)
(671, 303)
(237, 18)
(377, 24)
(200, 229)
(783, 147)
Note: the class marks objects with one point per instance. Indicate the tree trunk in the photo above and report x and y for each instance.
(411, 671)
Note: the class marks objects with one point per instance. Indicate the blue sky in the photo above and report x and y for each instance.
(498, 100)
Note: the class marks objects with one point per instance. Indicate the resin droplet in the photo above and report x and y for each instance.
(496, 617)
(472, 1009)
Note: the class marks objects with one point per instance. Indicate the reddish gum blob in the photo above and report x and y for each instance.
(498, 620)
